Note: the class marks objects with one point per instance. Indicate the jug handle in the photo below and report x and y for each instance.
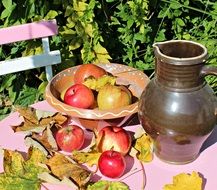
(209, 70)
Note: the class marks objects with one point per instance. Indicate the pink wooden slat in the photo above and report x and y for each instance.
(28, 31)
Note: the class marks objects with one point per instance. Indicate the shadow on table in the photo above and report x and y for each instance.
(204, 181)
(212, 139)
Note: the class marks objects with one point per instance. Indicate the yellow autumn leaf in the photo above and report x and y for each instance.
(89, 30)
(90, 158)
(99, 49)
(143, 148)
(185, 181)
(97, 84)
(102, 58)
(79, 6)
(102, 55)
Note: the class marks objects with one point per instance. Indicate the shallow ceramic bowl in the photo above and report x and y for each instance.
(135, 79)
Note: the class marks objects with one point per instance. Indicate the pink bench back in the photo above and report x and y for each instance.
(28, 31)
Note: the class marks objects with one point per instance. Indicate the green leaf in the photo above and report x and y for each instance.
(180, 22)
(42, 87)
(7, 81)
(5, 13)
(108, 185)
(187, 36)
(18, 183)
(7, 4)
(27, 96)
(69, 11)
(175, 5)
(51, 14)
(30, 11)
(75, 44)
(20, 174)
(4, 112)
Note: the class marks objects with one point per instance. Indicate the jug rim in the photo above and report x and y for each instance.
(181, 61)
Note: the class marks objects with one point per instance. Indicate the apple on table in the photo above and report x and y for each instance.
(112, 164)
(70, 137)
(115, 138)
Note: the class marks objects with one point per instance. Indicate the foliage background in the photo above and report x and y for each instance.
(120, 31)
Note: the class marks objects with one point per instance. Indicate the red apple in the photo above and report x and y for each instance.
(70, 138)
(112, 164)
(80, 96)
(111, 97)
(115, 138)
(87, 70)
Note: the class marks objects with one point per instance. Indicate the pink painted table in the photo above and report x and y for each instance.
(157, 172)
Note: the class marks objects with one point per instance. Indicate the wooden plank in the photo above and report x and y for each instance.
(28, 31)
(30, 62)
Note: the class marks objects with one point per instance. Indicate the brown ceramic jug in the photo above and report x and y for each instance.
(177, 108)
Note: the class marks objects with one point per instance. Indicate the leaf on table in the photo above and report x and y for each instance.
(21, 174)
(139, 132)
(27, 113)
(43, 114)
(90, 158)
(30, 142)
(108, 185)
(46, 139)
(97, 84)
(57, 118)
(36, 120)
(185, 181)
(143, 148)
(49, 178)
(13, 163)
(88, 155)
(18, 183)
(62, 166)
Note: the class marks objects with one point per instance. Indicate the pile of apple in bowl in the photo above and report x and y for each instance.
(96, 92)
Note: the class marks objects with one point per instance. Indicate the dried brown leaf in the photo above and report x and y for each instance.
(37, 121)
(27, 113)
(46, 139)
(62, 166)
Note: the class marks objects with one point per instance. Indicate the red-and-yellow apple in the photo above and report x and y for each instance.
(112, 96)
(69, 138)
(87, 70)
(80, 96)
(115, 138)
(112, 164)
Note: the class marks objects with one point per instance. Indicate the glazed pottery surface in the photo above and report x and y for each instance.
(135, 80)
(177, 108)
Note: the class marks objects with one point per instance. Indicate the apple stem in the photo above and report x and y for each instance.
(112, 150)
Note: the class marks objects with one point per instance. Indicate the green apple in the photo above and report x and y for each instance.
(113, 96)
